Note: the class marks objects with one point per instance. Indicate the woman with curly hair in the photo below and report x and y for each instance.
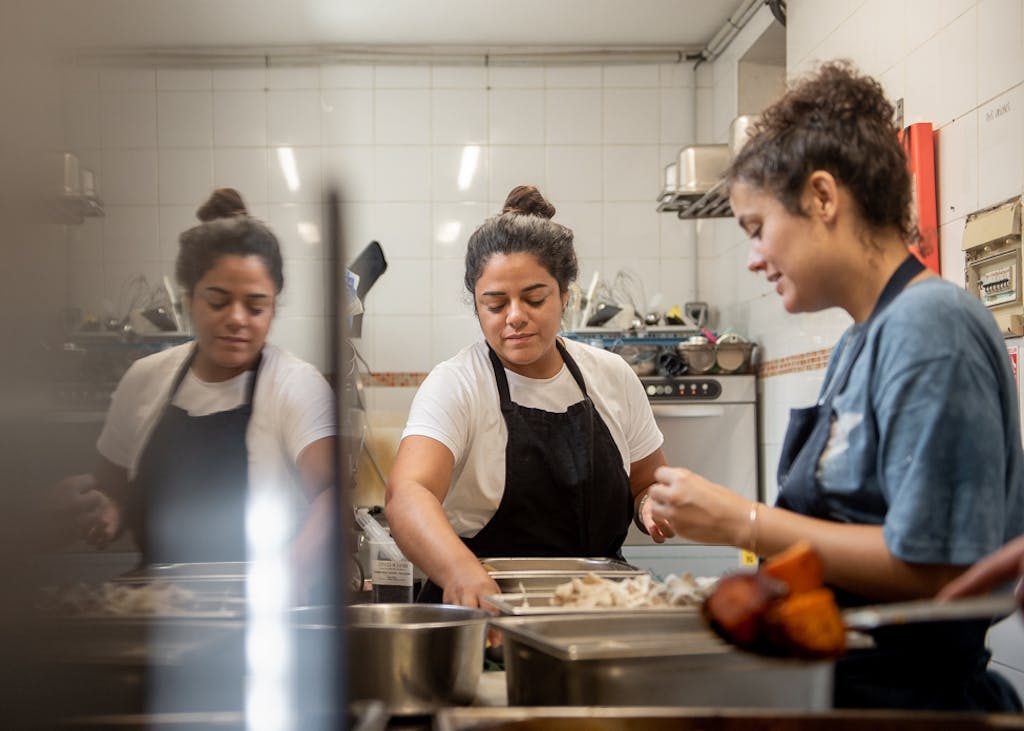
(909, 467)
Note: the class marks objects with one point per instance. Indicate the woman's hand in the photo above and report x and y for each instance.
(658, 529)
(85, 512)
(999, 567)
(469, 587)
(698, 509)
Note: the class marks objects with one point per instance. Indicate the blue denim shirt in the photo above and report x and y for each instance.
(926, 438)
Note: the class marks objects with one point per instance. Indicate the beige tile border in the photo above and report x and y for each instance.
(812, 361)
(393, 380)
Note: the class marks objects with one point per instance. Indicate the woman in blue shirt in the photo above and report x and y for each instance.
(909, 468)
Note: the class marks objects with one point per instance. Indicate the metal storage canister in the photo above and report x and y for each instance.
(733, 353)
(415, 658)
(698, 353)
(648, 658)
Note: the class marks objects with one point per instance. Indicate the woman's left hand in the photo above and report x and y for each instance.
(697, 508)
(658, 529)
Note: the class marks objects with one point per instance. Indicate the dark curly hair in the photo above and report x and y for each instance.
(839, 121)
(523, 227)
(203, 245)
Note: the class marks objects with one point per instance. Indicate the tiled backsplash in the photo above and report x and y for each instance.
(402, 140)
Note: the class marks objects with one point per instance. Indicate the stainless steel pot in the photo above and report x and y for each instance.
(415, 658)
(698, 353)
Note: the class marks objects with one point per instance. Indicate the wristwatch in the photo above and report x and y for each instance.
(638, 518)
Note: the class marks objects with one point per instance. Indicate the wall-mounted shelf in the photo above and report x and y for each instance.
(666, 335)
(712, 204)
(74, 209)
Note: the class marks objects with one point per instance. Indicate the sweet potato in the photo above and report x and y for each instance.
(806, 625)
(737, 607)
(799, 567)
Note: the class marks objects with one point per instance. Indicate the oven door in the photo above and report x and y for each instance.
(719, 442)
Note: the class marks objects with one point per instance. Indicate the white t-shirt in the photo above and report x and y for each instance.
(458, 405)
(293, 406)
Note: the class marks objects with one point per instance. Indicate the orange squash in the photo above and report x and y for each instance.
(799, 567)
(807, 625)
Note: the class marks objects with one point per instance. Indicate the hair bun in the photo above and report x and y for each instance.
(527, 200)
(222, 203)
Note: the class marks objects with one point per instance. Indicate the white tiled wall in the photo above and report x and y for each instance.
(958, 64)
(593, 138)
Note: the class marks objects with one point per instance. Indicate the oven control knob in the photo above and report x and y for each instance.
(652, 390)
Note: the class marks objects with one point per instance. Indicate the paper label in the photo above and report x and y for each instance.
(392, 573)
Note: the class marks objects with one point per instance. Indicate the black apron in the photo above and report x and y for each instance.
(566, 492)
(187, 501)
(940, 666)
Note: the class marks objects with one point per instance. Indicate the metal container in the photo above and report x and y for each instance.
(100, 666)
(698, 353)
(739, 132)
(546, 574)
(203, 570)
(733, 355)
(542, 602)
(560, 564)
(700, 167)
(208, 581)
(648, 658)
(414, 658)
(651, 718)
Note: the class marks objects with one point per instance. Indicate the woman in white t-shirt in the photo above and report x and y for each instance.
(196, 433)
(524, 444)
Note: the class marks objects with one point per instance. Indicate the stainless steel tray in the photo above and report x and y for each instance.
(648, 658)
(660, 718)
(546, 574)
(541, 602)
(511, 582)
(625, 634)
(136, 642)
(560, 564)
(206, 589)
(221, 570)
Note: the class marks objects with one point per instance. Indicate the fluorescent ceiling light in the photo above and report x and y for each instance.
(449, 232)
(286, 159)
(467, 167)
(309, 232)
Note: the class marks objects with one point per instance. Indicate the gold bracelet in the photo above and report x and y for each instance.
(753, 527)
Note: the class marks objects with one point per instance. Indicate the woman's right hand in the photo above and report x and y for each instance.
(87, 512)
(470, 586)
(697, 508)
